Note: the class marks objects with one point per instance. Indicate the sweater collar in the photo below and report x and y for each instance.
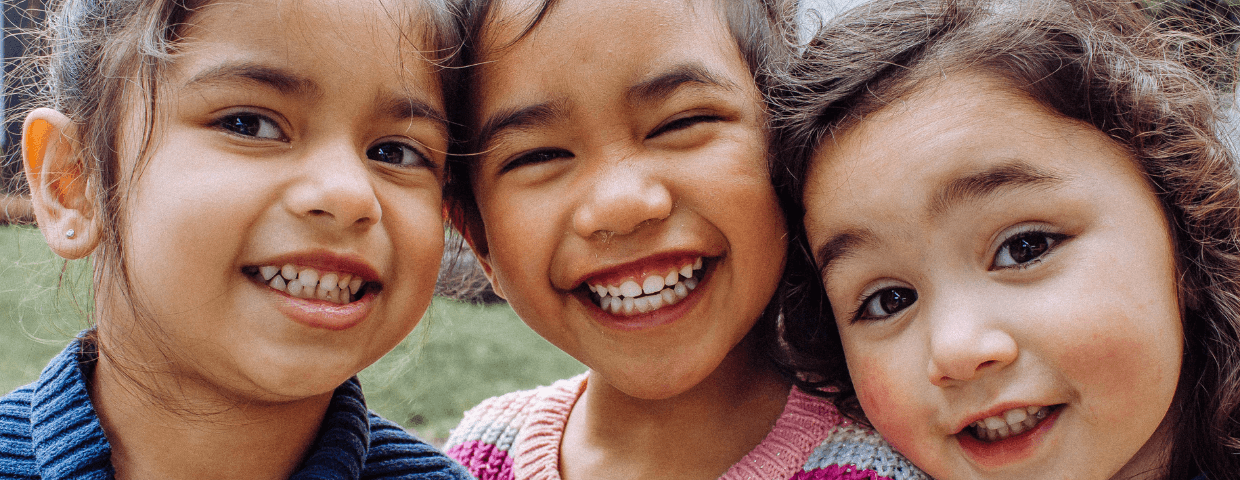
(69, 442)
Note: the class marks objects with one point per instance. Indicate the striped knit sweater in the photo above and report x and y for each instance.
(49, 430)
(517, 436)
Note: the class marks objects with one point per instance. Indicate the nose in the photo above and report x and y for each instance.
(620, 199)
(335, 189)
(966, 341)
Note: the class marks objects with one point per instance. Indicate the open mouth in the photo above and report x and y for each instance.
(649, 293)
(304, 282)
(1010, 423)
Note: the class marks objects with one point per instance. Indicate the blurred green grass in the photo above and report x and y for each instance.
(458, 355)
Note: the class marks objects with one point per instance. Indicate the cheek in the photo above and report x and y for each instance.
(887, 398)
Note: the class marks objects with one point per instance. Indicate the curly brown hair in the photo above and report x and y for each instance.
(1148, 83)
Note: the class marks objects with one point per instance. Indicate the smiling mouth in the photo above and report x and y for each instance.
(1010, 423)
(308, 283)
(655, 291)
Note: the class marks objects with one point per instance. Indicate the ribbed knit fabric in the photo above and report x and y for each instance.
(49, 430)
(517, 436)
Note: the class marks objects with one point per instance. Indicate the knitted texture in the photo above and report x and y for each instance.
(49, 430)
(517, 436)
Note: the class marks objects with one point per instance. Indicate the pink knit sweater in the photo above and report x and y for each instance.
(517, 436)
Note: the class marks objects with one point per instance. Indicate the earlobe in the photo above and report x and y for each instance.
(60, 190)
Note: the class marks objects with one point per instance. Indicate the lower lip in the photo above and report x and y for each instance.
(1009, 450)
(316, 313)
(662, 316)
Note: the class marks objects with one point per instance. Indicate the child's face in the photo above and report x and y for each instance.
(289, 138)
(624, 143)
(988, 261)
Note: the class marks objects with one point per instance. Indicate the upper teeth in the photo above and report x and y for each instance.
(1009, 423)
(655, 291)
(310, 283)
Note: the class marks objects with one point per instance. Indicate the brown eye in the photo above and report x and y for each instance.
(886, 303)
(1024, 248)
(251, 125)
(398, 154)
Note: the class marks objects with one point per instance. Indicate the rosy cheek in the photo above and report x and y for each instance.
(885, 404)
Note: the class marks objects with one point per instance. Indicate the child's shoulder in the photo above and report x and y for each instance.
(485, 437)
(16, 444)
(854, 449)
(396, 453)
(812, 440)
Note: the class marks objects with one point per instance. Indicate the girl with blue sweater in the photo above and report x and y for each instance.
(258, 187)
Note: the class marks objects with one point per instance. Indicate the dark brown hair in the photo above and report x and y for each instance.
(1109, 64)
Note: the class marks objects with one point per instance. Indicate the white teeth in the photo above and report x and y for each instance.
(332, 287)
(630, 289)
(295, 288)
(1015, 415)
(308, 277)
(652, 284)
(654, 292)
(1009, 423)
(669, 296)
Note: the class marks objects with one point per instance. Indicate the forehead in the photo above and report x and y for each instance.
(904, 156)
(581, 45)
(325, 38)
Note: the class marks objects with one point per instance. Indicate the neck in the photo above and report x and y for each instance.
(164, 427)
(699, 433)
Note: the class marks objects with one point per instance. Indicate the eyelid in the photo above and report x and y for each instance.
(280, 122)
(418, 148)
(700, 116)
(868, 292)
(1014, 231)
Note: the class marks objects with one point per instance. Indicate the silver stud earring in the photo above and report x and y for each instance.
(69, 233)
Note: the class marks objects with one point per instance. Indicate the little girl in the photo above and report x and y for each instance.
(258, 185)
(618, 197)
(1024, 223)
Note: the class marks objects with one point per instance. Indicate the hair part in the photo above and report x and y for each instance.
(1152, 88)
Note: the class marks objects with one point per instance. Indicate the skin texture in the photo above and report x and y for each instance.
(327, 82)
(627, 181)
(1092, 324)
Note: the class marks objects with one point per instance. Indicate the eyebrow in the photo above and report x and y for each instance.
(959, 191)
(249, 73)
(507, 121)
(664, 85)
(408, 108)
(978, 186)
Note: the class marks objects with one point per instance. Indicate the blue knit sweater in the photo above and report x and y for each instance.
(49, 430)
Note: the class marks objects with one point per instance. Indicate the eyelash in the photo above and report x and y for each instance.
(683, 123)
(230, 123)
(1053, 242)
(535, 157)
(906, 296)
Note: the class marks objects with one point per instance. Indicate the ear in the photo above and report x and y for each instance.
(60, 191)
(484, 259)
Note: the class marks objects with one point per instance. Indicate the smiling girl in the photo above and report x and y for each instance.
(258, 186)
(616, 192)
(1022, 217)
